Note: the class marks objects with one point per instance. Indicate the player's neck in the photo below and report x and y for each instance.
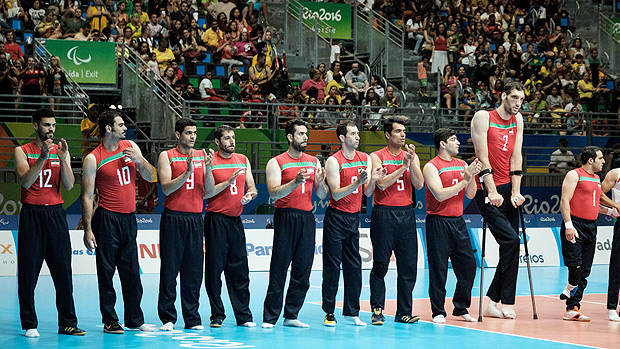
(39, 142)
(588, 169)
(501, 111)
(348, 154)
(294, 153)
(445, 156)
(224, 154)
(182, 149)
(110, 144)
(394, 149)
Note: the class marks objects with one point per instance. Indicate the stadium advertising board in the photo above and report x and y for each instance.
(88, 62)
(337, 16)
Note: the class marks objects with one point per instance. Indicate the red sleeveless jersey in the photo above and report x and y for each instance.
(585, 200)
(301, 197)
(116, 178)
(46, 188)
(228, 201)
(399, 193)
(500, 143)
(188, 198)
(450, 172)
(349, 172)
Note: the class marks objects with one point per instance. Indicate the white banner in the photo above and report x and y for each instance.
(541, 243)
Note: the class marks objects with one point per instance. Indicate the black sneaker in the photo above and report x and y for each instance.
(72, 331)
(377, 317)
(406, 319)
(217, 322)
(330, 320)
(114, 328)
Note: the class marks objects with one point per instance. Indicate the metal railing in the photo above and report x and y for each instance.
(310, 35)
(609, 42)
(19, 108)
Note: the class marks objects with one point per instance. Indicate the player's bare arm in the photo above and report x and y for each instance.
(516, 164)
(251, 191)
(375, 175)
(390, 179)
(479, 130)
(333, 180)
(276, 189)
(89, 172)
(568, 189)
(169, 185)
(320, 188)
(28, 175)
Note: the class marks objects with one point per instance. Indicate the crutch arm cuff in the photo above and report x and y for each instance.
(485, 172)
(516, 173)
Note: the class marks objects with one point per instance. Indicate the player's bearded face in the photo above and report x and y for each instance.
(45, 131)
(227, 143)
(300, 138)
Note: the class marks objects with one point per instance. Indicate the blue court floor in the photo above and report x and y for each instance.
(425, 334)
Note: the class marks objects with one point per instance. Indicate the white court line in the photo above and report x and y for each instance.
(494, 332)
(582, 301)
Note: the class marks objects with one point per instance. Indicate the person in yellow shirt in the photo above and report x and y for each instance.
(165, 56)
(98, 16)
(144, 17)
(212, 37)
(90, 130)
(135, 25)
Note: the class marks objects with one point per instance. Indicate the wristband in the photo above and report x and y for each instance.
(610, 211)
(569, 225)
(516, 173)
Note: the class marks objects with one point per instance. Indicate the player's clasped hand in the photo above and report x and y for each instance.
(472, 170)
(190, 161)
(132, 153)
(247, 198)
(319, 175)
(63, 149)
(379, 173)
(301, 176)
(46, 148)
(208, 156)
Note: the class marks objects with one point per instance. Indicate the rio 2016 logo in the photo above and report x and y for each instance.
(72, 55)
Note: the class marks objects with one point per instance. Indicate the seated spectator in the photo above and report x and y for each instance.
(390, 99)
(314, 81)
(8, 80)
(370, 95)
(11, 47)
(260, 73)
(329, 115)
(191, 51)
(164, 54)
(334, 92)
(123, 16)
(207, 93)
(562, 159)
(155, 26)
(576, 49)
(182, 15)
(128, 39)
(14, 10)
(287, 111)
(190, 93)
(538, 106)
(49, 27)
(310, 112)
(579, 67)
(372, 114)
(212, 36)
(588, 93)
(143, 16)
(234, 70)
(170, 77)
(221, 6)
(37, 13)
(228, 51)
(97, 15)
(146, 38)
(415, 31)
(375, 83)
(245, 49)
(448, 86)
(135, 26)
(335, 74)
(357, 81)
(348, 112)
(483, 98)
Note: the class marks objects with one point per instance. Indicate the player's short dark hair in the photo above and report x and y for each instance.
(290, 126)
(219, 131)
(341, 129)
(388, 125)
(181, 124)
(588, 153)
(42, 113)
(513, 85)
(442, 135)
(107, 119)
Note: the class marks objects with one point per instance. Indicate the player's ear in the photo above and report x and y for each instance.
(177, 134)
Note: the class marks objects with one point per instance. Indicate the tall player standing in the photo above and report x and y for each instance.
(347, 174)
(112, 230)
(41, 167)
(230, 187)
(181, 174)
(612, 181)
(498, 137)
(393, 226)
(291, 178)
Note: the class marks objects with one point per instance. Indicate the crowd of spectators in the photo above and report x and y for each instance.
(478, 46)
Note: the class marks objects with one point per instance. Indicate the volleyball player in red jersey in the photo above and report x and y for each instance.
(112, 230)
(231, 185)
(498, 137)
(291, 178)
(348, 178)
(446, 179)
(41, 167)
(181, 174)
(393, 226)
(580, 206)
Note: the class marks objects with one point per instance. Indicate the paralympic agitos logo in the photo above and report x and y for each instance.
(72, 55)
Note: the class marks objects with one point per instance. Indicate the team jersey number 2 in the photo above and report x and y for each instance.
(505, 138)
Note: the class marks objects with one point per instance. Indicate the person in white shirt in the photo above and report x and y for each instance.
(562, 160)
(415, 31)
(335, 54)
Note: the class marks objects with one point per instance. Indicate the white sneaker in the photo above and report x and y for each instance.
(248, 324)
(439, 319)
(197, 327)
(492, 311)
(575, 315)
(613, 316)
(168, 326)
(267, 325)
(32, 333)
(146, 328)
(295, 323)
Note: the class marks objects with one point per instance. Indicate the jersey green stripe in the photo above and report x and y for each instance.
(392, 162)
(492, 124)
(111, 158)
(195, 158)
(222, 166)
(453, 168)
(36, 156)
(298, 164)
(590, 179)
(353, 164)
